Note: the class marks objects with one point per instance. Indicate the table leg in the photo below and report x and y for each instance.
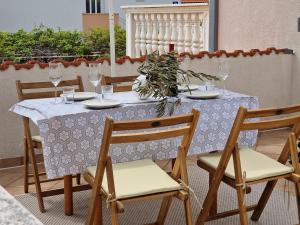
(68, 195)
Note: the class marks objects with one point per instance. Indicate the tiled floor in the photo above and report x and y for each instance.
(269, 143)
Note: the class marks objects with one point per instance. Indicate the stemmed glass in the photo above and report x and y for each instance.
(223, 72)
(94, 75)
(55, 75)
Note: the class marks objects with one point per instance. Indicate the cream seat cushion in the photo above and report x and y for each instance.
(37, 138)
(257, 165)
(138, 178)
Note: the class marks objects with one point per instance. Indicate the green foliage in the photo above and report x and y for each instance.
(163, 74)
(45, 41)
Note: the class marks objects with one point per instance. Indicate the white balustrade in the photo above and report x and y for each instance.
(143, 34)
(154, 33)
(180, 40)
(174, 31)
(167, 37)
(154, 27)
(160, 34)
(148, 34)
(195, 34)
(187, 33)
(137, 36)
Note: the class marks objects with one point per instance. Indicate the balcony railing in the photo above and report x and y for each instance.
(154, 27)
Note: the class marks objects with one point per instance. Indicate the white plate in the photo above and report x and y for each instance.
(201, 94)
(80, 96)
(184, 87)
(101, 104)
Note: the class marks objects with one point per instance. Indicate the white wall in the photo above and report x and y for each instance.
(247, 24)
(16, 14)
(260, 76)
(119, 3)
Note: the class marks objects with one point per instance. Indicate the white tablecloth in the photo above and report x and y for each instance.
(71, 133)
(12, 212)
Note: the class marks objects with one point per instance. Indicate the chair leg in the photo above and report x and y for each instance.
(263, 200)
(36, 180)
(114, 213)
(26, 165)
(78, 176)
(297, 189)
(164, 208)
(98, 211)
(208, 202)
(242, 207)
(214, 209)
(188, 211)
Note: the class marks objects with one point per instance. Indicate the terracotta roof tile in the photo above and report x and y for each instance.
(78, 61)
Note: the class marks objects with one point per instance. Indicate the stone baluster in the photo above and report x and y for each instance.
(160, 34)
(187, 33)
(196, 35)
(167, 36)
(203, 19)
(180, 37)
(148, 34)
(137, 36)
(173, 31)
(154, 33)
(143, 34)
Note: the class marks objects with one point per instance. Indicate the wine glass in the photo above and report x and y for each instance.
(223, 72)
(94, 75)
(55, 76)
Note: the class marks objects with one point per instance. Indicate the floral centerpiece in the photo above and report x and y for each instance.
(163, 75)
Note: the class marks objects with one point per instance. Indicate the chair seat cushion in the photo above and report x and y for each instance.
(256, 165)
(138, 178)
(36, 138)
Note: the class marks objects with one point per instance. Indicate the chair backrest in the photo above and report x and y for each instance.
(116, 81)
(263, 119)
(152, 129)
(35, 90)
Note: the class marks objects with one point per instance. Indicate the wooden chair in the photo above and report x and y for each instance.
(143, 179)
(33, 91)
(240, 168)
(115, 81)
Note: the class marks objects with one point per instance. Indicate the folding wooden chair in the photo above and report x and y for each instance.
(33, 91)
(116, 81)
(142, 179)
(240, 168)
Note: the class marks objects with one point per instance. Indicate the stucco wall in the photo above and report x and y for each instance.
(258, 75)
(245, 24)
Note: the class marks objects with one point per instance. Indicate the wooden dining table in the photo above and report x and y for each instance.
(71, 133)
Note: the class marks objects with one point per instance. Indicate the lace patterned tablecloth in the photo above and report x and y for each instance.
(71, 133)
(13, 213)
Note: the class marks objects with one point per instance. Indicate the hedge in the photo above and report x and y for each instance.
(45, 42)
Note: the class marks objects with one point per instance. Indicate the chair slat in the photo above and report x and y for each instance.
(122, 88)
(149, 136)
(270, 124)
(40, 85)
(48, 94)
(151, 123)
(108, 80)
(273, 111)
(111, 80)
(47, 84)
